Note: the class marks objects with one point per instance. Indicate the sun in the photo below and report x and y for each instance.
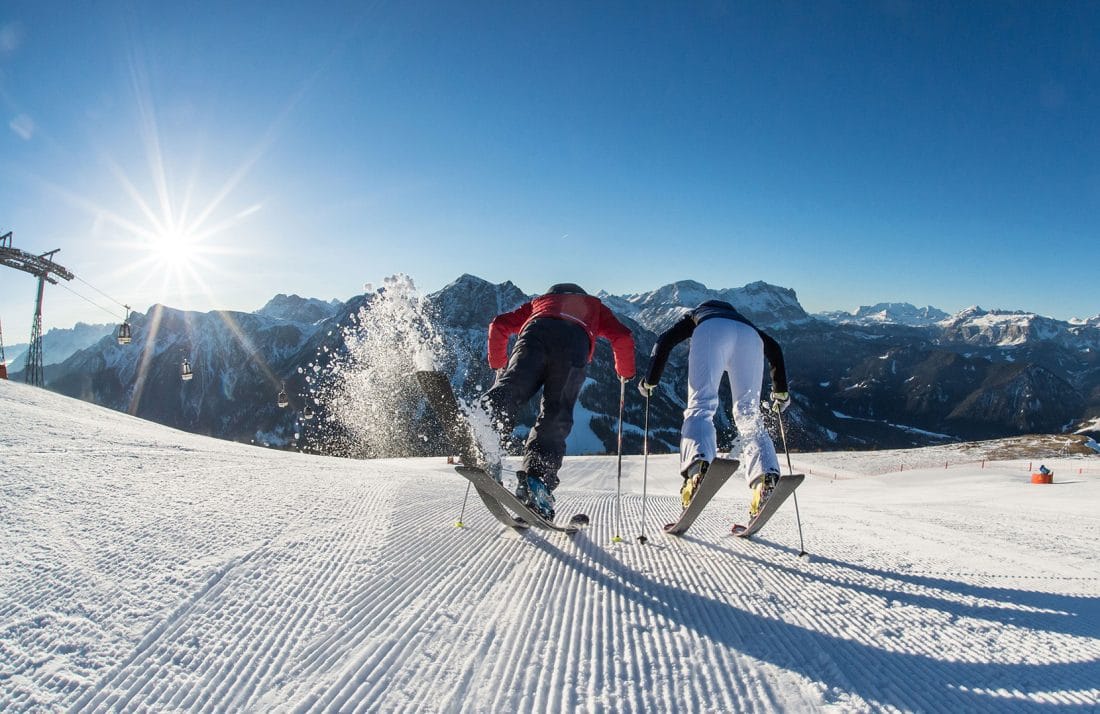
(172, 249)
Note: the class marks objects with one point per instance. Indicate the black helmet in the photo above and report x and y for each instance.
(566, 289)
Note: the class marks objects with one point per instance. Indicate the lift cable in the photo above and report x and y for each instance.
(93, 287)
(88, 300)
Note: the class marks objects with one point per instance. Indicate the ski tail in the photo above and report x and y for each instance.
(505, 499)
(717, 474)
(784, 488)
(493, 505)
(441, 397)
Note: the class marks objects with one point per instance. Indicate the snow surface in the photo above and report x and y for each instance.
(146, 569)
(1090, 425)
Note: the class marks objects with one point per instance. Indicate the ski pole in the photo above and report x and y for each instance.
(619, 480)
(790, 472)
(461, 522)
(645, 466)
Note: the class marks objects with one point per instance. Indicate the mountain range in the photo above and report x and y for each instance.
(59, 344)
(885, 376)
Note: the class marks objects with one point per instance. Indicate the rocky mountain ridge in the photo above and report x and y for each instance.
(889, 375)
(59, 343)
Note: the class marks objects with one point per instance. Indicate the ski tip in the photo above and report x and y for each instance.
(738, 529)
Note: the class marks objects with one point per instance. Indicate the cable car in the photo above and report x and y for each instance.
(282, 399)
(124, 335)
(307, 413)
(185, 370)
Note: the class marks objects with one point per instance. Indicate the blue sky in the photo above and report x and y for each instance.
(210, 154)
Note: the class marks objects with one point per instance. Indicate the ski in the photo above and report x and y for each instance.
(441, 397)
(497, 499)
(500, 512)
(783, 489)
(487, 488)
(717, 474)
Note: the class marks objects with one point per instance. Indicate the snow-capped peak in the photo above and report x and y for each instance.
(767, 305)
(886, 313)
(298, 309)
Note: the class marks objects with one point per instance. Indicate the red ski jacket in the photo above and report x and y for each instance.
(584, 310)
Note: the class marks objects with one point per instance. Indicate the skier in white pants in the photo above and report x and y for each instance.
(723, 342)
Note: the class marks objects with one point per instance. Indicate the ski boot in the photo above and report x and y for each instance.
(693, 476)
(533, 493)
(762, 489)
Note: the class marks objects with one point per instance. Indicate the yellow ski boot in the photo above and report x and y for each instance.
(761, 491)
(692, 478)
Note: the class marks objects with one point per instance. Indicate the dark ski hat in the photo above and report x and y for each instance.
(566, 289)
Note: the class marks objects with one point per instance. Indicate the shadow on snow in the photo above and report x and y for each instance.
(900, 679)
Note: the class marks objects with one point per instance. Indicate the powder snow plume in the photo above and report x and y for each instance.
(371, 391)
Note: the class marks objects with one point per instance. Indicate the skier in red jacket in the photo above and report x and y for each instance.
(557, 337)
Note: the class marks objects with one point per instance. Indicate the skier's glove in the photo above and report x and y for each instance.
(780, 401)
(646, 390)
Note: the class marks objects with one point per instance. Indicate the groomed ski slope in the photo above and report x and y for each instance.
(145, 569)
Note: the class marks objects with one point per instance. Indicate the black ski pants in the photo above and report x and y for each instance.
(552, 355)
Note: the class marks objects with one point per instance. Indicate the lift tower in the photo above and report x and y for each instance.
(43, 268)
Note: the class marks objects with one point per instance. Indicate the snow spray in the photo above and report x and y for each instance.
(373, 400)
(370, 390)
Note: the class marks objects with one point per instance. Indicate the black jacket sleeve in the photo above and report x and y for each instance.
(774, 355)
(671, 337)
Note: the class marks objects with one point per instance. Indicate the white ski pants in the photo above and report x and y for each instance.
(718, 347)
